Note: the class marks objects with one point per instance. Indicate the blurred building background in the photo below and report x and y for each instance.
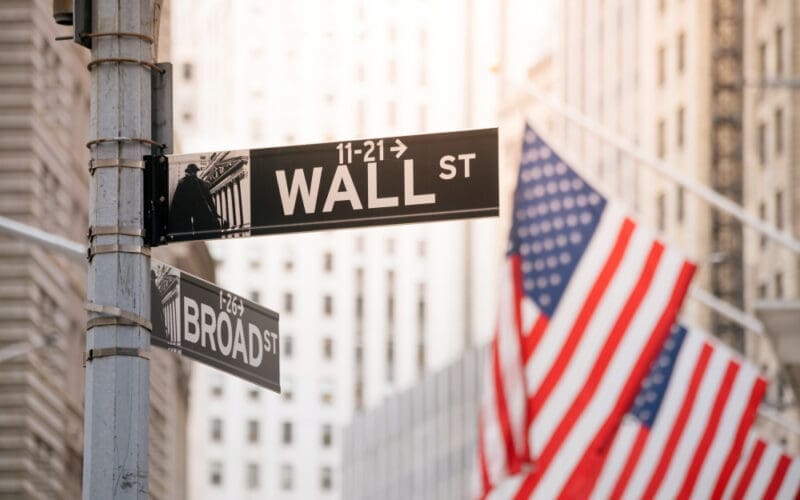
(419, 443)
(44, 177)
(364, 313)
(375, 323)
(711, 89)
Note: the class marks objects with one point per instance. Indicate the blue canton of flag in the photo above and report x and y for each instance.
(556, 213)
(654, 386)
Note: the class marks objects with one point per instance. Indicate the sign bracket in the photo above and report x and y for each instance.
(156, 190)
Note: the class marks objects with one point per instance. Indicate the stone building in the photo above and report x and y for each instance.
(44, 117)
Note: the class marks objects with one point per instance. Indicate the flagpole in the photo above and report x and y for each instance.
(662, 167)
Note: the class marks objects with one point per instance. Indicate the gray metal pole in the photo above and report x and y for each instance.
(117, 379)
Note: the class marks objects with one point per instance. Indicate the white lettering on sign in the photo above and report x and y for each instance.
(408, 188)
(373, 201)
(219, 332)
(343, 189)
(191, 313)
(342, 178)
(299, 185)
(449, 170)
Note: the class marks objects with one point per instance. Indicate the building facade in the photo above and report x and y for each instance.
(364, 313)
(707, 88)
(44, 123)
(421, 442)
(771, 183)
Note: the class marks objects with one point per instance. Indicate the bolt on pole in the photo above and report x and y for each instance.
(117, 368)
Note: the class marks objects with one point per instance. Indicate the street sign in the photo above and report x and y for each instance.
(211, 325)
(390, 180)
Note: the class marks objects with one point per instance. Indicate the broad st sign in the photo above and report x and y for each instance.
(388, 180)
(208, 324)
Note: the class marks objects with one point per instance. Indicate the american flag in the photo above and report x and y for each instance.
(765, 471)
(685, 431)
(589, 298)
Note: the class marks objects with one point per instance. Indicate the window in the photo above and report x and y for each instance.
(359, 395)
(662, 65)
(288, 265)
(288, 302)
(390, 360)
(778, 285)
(286, 433)
(326, 478)
(779, 209)
(779, 51)
(216, 384)
(421, 357)
(420, 306)
(287, 477)
(188, 71)
(661, 211)
(680, 204)
(252, 476)
(327, 435)
(254, 295)
(662, 139)
(390, 308)
(252, 431)
(328, 262)
(422, 248)
(215, 473)
(390, 245)
(326, 392)
(762, 60)
(762, 143)
(253, 393)
(778, 130)
(681, 49)
(679, 127)
(762, 291)
(327, 305)
(762, 214)
(288, 346)
(287, 389)
(359, 355)
(216, 430)
(327, 348)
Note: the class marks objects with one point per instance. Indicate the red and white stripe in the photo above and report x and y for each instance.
(764, 472)
(697, 438)
(584, 365)
(501, 445)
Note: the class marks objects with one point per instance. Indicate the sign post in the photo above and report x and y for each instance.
(389, 180)
(216, 327)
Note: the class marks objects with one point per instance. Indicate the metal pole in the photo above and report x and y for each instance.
(117, 377)
(69, 248)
